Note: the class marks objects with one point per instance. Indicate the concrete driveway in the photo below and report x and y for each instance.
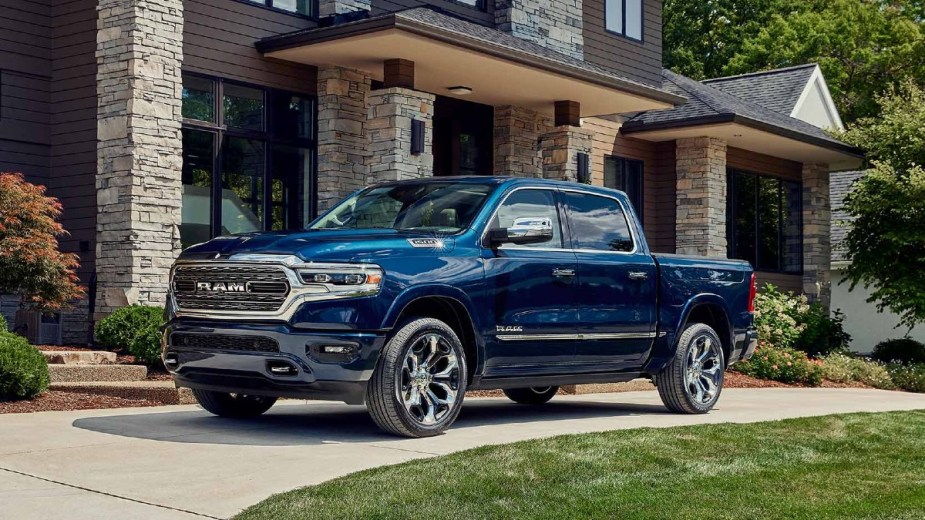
(178, 462)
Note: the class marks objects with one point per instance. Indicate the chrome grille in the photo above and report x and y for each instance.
(266, 287)
(223, 342)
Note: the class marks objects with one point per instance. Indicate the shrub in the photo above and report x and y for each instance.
(905, 351)
(775, 316)
(23, 370)
(910, 378)
(822, 335)
(136, 329)
(846, 369)
(3, 326)
(786, 365)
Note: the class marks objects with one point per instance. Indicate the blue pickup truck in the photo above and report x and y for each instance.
(405, 295)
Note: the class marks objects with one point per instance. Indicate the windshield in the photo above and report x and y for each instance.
(426, 206)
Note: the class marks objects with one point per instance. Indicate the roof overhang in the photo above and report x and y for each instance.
(757, 136)
(498, 74)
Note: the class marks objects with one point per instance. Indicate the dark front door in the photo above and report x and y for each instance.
(462, 137)
(617, 283)
(534, 293)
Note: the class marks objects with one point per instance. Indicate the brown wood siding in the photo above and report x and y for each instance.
(641, 61)
(25, 76)
(784, 282)
(763, 164)
(73, 125)
(484, 17)
(218, 40)
(658, 177)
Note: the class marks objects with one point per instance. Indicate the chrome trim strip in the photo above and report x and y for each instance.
(575, 337)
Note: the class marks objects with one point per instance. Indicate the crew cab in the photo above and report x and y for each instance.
(405, 295)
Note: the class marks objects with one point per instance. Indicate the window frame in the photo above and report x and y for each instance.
(268, 4)
(622, 170)
(622, 33)
(731, 218)
(267, 136)
(481, 5)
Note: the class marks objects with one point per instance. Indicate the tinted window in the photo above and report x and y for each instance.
(530, 203)
(597, 223)
(625, 175)
(766, 224)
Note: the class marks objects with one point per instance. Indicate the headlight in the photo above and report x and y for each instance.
(342, 280)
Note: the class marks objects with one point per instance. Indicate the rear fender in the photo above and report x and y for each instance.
(666, 345)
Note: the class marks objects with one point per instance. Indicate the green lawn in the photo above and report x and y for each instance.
(840, 466)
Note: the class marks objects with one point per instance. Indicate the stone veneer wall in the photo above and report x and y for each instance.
(701, 197)
(342, 141)
(388, 128)
(816, 233)
(517, 133)
(139, 152)
(560, 149)
(554, 24)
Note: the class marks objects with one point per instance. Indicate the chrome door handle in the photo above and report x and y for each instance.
(638, 275)
(560, 273)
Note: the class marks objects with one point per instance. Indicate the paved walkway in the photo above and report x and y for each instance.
(178, 462)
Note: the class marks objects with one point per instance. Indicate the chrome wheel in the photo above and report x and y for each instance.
(429, 379)
(703, 369)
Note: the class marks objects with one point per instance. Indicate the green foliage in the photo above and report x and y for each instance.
(3, 325)
(822, 335)
(136, 329)
(776, 316)
(786, 365)
(910, 378)
(23, 369)
(842, 368)
(893, 136)
(904, 351)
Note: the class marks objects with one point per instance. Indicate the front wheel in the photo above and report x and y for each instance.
(418, 386)
(693, 380)
(532, 395)
(233, 405)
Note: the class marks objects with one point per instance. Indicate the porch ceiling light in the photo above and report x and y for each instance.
(460, 90)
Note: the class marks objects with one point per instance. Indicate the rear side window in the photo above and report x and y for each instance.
(530, 204)
(597, 223)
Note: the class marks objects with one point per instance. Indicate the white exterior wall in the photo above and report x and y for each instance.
(866, 326)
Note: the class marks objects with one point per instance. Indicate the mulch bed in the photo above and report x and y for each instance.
(56, 401)
(735, 379)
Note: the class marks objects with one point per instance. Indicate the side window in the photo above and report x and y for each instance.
(530, 203)
(597, 223)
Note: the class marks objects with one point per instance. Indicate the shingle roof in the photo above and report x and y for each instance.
(707, 105)
(840, 184)
(778, 90)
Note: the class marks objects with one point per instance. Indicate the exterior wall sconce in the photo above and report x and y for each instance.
(584, 168)
(417, 137)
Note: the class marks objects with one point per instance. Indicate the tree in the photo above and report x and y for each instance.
(30, 263)
(886, 240)
(864, 47)
(699, 38)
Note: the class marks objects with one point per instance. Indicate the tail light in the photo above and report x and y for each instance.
(752, 292)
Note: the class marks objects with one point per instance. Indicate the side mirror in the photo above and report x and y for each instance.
(525, 230)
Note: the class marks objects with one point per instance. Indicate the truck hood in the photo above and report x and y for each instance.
(322, 245)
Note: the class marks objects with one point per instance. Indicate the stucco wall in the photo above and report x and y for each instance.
(866, 326)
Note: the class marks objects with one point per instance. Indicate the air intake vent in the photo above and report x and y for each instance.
(239, 343)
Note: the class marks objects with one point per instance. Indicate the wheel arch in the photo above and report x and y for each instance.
(710, 310)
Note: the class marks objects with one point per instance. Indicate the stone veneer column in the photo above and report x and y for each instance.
(517, 132)
(560, 149)
(700, 224)
(342, 141)
(139, 50)
(388, 128)
(816, 233)
(554, 24)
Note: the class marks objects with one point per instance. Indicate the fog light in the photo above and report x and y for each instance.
(333, 353)
(336, 349)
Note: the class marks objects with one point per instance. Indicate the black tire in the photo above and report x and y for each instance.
(393, 385)
(533, 395)
(233, 405)
(685, 386)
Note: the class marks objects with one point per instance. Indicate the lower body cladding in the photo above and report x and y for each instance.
(271, 360)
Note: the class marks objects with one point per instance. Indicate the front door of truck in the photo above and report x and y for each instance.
(617, 284)
(533, 290)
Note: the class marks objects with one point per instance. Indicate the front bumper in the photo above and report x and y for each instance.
(214, 356)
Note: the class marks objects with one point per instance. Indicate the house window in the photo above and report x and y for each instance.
(624, 17)
(625, 175)
(479, 4)
(303, 7)
(248, 159)
(765, 222)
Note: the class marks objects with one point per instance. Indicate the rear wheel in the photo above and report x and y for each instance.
(233, 405)
(532, 395)
(419, 384)
(693, 380)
